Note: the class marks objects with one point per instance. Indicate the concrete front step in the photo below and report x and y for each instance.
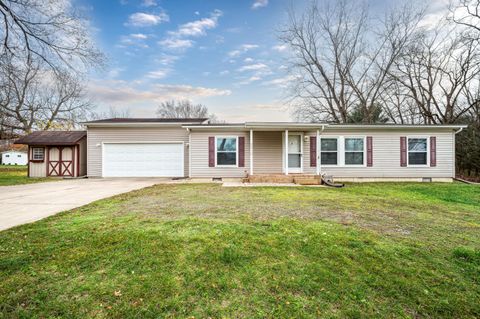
(307, 181)
(302, 179)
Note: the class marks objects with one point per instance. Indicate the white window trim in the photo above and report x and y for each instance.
(338, 150)
(290, 169)
(364, 152)
(341, 151)
(427, 164)
(33, 153)
(236, 150)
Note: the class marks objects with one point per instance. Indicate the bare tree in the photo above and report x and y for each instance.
(33, 99)
(466, 13)
(184, 109)
(49, 31)
(340, 59)
(440, 74)
(110, 113)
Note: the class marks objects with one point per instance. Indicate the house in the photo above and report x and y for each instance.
(196, 149)
(56, 153)
(13, 158)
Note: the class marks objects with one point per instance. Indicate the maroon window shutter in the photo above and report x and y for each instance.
(241, 151)
(211, 151)
(403, 151)
(369, 151)
(433, 151)
(313, 151)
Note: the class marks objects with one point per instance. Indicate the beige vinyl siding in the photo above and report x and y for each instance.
(267, 155)
(267, 152)
(386, 155)
(199, 156)
(98, 135)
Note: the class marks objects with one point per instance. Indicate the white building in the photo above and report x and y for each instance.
(14, 158)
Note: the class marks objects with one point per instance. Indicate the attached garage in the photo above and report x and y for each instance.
(124, 147)
(143, 159)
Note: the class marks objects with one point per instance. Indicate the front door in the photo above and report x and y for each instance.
(295, 153)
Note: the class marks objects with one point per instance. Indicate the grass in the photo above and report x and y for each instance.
(181, 251)
(15, 175)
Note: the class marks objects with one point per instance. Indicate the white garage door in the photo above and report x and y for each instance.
(143, 160)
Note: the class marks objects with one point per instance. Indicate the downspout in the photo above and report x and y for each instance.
(453, 152)
(189, 153)
(319, 161)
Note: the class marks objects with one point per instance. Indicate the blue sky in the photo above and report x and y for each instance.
(222, 53)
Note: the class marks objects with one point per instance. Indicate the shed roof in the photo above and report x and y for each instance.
(52, 138)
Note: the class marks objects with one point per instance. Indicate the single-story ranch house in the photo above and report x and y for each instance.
(151, 147)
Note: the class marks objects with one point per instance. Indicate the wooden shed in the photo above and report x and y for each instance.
(56, 153)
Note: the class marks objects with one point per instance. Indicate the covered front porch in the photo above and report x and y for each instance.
(283, 154)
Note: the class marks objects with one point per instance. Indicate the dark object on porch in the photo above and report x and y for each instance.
(328, 180)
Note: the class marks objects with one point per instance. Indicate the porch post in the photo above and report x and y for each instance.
(251, 152)
(318, 152)
(286, 152)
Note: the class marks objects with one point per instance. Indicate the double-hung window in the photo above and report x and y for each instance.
(417, 151)
(226, 151)
(329, 151)
(38, 153)
(354, 151)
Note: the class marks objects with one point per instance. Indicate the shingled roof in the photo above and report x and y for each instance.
(52, 138)
(149, 120)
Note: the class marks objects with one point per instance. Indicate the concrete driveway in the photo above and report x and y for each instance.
(21, 204)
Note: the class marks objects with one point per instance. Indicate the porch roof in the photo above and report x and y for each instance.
(264, 126)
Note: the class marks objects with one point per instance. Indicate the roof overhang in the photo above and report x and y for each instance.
(138, 124)
(354, 127)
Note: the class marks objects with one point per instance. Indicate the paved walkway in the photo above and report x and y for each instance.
(21, 204)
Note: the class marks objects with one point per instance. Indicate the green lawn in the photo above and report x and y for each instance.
(181, 251)
(14, 175)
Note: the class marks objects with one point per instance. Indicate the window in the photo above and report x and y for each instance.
(7, 155)
(37, 153)
(226, 151)
(329, 151)
(417, 151)
(19, 156)
(354, 151)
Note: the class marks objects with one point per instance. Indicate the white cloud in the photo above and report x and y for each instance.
(166, 59)
(253, 67)
(125, 93)
(176, 44)
(198, 27)
(259, 4)
(149, 3)
(248, 60)
(178, 39)
(134, 39)
(224, 72)
(234, 53)
(280, 48)
(140, 19)
(281, 82)
(138, 36)
(250, 80)
(114, 72)
(158, 74)
(242, 49)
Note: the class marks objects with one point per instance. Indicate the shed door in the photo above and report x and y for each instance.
(143, 160)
